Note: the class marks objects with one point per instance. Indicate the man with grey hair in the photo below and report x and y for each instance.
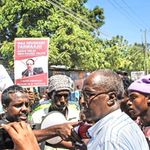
(112, 129)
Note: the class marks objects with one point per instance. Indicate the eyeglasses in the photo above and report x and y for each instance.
(89, 97)
(66, 95)
(29, 64)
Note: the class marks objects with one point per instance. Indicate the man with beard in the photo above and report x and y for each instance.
(60, 88)
(59, 91)
(112, 129)
(139, 103)
(16, 106)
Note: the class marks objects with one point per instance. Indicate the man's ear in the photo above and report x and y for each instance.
(112, 99)
(49, 95)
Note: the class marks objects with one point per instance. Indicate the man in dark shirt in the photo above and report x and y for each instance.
(15, 102)
(139, 103)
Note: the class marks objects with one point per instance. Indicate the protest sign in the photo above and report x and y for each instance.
(31, 61)
(5, 80)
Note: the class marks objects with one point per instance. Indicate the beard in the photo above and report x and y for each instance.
(90, 116)
(61, 108)
(12, 118)
(17, 118)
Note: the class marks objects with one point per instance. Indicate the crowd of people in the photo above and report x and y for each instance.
(114, 114)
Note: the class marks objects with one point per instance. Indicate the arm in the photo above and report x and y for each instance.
(22, 136)
(69, 136)
(63, 130)
(63, 144)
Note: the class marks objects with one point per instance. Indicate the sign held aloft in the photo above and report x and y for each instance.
(31, 61)
(5, 80)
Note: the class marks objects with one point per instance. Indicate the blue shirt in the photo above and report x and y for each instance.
(116, 131)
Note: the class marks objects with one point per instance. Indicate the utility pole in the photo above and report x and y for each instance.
(145, 53)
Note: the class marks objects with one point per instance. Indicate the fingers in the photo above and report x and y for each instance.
(16, 128)
(22, 135)
(75, 137)
(74, 124)
(10, 128)
(65, 130)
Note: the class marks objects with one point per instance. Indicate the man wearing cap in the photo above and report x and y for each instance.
(139, 102)
(60, 88)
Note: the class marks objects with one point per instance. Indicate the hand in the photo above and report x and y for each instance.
(65, 130)
(22, 136)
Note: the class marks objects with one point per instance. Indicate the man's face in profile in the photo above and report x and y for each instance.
(29, 64)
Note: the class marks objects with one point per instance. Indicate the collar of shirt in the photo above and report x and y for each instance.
(95, 129)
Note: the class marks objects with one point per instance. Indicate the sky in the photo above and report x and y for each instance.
(129, 18)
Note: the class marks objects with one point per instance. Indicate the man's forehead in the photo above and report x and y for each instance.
(62, 92)
(96, 79)
(133, 93)
(93, 79)
(18, 94)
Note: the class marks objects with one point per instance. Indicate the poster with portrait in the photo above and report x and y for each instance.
(31, 61)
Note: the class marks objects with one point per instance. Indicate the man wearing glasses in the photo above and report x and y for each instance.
(31, 70)
(113, 129)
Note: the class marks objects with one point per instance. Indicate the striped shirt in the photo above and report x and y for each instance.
(116, 131)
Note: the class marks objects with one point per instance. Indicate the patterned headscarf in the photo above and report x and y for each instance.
(60, 82)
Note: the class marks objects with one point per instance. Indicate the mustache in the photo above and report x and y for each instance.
(24, 114)
(57, 107)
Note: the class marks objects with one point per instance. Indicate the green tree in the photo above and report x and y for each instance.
(72, 39)
(136, 58)
(114, 51)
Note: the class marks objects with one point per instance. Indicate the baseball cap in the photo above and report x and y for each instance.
(141, 85)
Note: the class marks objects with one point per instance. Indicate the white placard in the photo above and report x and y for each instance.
(5, 80)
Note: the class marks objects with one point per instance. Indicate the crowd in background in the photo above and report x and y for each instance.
(111, 110)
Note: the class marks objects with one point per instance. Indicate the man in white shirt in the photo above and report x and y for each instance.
(113, 129)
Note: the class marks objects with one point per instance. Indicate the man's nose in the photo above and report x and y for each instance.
(24, 108)
(129, 103)
(63, 99)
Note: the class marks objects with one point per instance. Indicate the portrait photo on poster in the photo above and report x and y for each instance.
(30, 67)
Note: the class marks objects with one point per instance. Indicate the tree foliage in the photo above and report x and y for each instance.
(71, 28)
(120, 55)
(68, 23)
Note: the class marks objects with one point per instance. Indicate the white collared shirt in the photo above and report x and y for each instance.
(116, 131)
